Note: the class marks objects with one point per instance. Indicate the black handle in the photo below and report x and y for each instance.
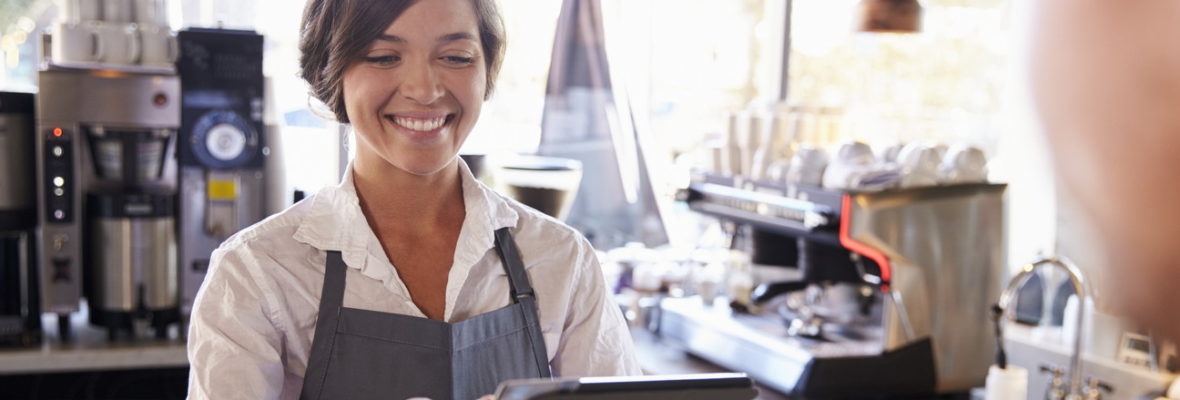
(1001, 355)
(770, 290)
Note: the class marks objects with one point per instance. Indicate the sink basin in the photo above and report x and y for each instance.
(1033, 347)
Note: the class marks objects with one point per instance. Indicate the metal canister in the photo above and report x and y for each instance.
(132, 252)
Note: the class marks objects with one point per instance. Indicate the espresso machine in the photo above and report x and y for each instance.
(106, 183)
(20, 310)
(222, 147)
(892, 293)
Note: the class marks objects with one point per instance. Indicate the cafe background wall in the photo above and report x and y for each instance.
(687, 63)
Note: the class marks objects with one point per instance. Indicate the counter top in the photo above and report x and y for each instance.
(1033, 347)
(663, 357)
(91, 351)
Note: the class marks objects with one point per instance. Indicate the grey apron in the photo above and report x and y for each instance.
(361, 354)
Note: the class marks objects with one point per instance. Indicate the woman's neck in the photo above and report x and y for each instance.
(389, 194)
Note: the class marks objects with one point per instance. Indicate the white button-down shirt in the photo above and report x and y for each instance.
(253, 321)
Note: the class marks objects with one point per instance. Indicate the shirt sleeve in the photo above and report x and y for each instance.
(234, 348)
(595, 339)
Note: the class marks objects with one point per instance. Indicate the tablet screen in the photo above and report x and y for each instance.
(654, 387)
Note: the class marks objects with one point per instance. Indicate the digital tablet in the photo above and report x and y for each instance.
(729, 386)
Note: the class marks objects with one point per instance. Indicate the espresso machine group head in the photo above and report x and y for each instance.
(894, 292)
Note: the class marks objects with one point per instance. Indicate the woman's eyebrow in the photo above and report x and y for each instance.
(391, 38)
(450, 37)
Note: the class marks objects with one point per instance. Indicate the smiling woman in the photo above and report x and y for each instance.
(329, 44)
(411, 277)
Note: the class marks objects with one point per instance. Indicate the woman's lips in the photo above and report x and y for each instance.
(419, 123)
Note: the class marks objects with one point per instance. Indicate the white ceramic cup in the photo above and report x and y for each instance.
(919, 165)
(807, 166)
(778, 171)
(964, 164)
(77, 43)
(852, 159)
(889, 152)
(737, 153)
(118, 11)
(76, 11)
(150, 13)
(159, 46)
(855, 153)
(120, 43)
(1010, 383)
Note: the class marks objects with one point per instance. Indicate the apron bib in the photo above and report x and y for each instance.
(362, 354)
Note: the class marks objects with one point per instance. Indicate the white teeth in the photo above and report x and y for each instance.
(423, 125)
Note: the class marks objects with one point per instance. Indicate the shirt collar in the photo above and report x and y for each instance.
(335, 222)
(486, 211)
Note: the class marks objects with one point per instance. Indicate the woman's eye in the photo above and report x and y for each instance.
(382, 60)
(458, 60)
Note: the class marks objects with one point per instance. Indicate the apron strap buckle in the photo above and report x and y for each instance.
(524, 295)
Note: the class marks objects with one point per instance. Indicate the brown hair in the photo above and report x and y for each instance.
(335, 33)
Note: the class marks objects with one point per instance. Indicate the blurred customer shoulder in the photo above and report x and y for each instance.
(1106, 77)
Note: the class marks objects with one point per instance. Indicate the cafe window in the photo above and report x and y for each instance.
(942, 84)
(688, 62)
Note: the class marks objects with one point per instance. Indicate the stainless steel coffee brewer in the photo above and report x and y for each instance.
(893, 297)
(222, 148)
(106, 179)
(20, 310)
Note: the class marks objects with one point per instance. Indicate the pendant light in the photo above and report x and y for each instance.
(893, 16)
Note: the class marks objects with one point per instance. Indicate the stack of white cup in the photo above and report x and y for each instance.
(854, 165)
(121, 32)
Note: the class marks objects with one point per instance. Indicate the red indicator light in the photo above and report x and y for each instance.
(57, 132)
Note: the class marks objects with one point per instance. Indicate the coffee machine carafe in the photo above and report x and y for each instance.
(105, 162)
(20, 315)
(892, 299)
(131, 251)
(222, 149)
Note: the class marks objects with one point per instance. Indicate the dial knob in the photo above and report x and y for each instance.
(225, 142)
(222, 139)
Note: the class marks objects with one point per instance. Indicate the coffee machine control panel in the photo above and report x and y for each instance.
(59, 235)
(59, 179)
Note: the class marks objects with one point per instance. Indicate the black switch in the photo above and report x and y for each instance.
(61, 270)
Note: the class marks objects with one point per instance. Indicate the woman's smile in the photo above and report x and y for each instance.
(421, 126)
(418, 124)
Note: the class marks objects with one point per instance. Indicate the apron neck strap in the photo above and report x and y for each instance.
(332, 295)
(522, 294)
(331, 300)
(518, 279)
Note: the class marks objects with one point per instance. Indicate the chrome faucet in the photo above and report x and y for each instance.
(1076, 392)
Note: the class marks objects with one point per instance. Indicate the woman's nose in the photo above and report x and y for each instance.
(421, 84)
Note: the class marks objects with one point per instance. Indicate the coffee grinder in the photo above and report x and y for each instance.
(20, 310)
(106, 182)
(222, 148)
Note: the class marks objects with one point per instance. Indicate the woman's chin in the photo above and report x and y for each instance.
(424, 165)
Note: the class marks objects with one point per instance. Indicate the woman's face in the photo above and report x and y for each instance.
(416, 92)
